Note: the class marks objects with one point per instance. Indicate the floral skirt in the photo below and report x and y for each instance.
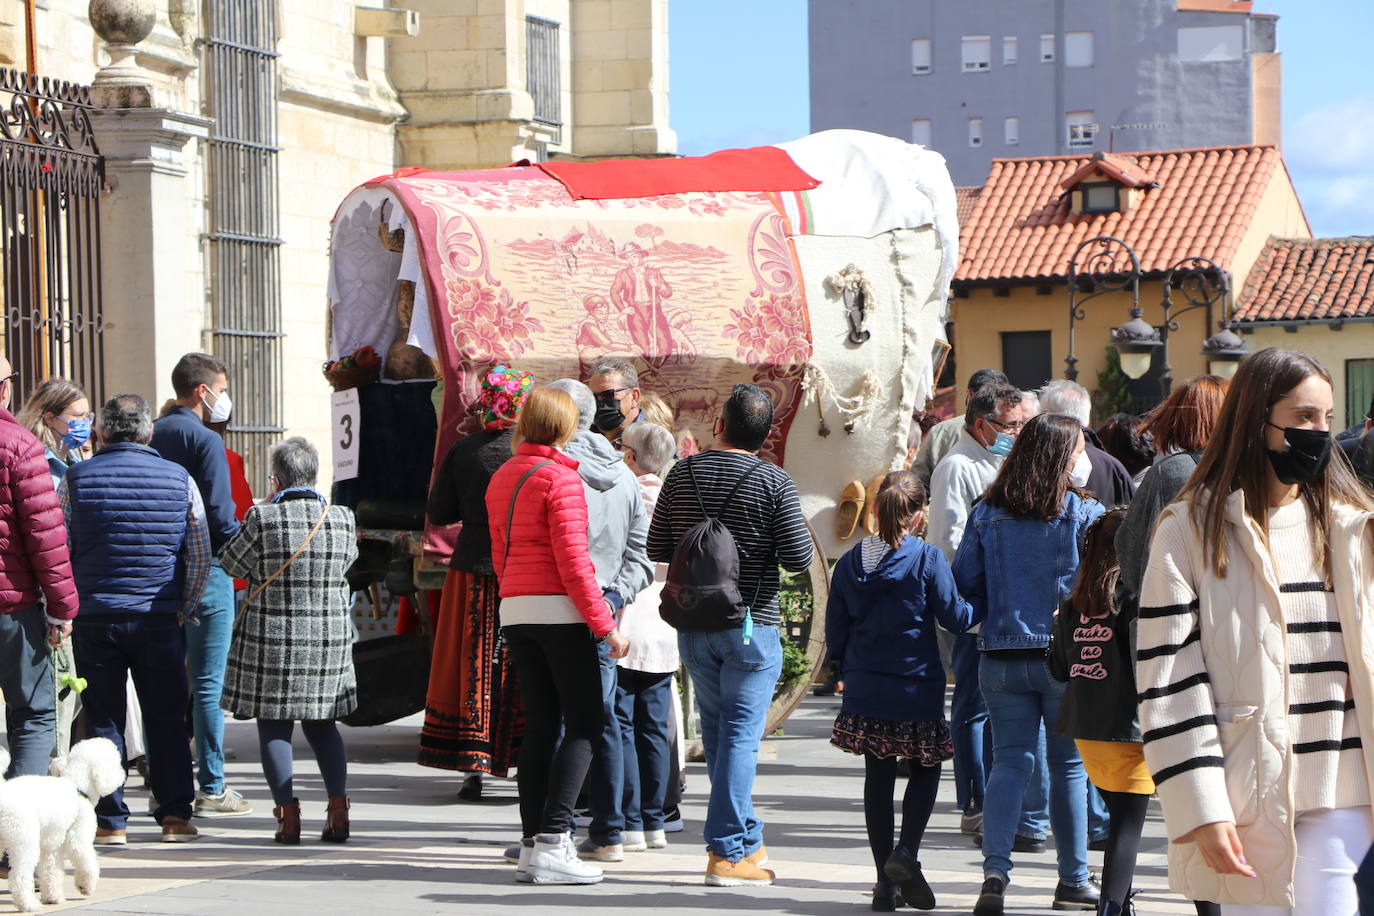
(926, 743)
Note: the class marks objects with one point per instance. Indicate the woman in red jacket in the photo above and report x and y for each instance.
(552, 615)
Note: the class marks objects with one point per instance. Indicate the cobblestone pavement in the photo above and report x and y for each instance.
(417, 849)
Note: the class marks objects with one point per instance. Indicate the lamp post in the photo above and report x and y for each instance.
(1203, 284)
(1099, 265)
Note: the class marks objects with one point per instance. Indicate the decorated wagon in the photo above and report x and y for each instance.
(817, 269)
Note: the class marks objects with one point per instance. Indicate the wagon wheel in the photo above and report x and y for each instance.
(819, 574)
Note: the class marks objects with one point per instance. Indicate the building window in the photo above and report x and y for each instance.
(975, 131)
(1359, 390)
(920, 56)
(1082, 128)
(1078, 49)
(977, 53)
(1213, 42)
(920, 131)
(543, 75)
(1012, 128)
(1047, 49)
(1101, 196)
(1027, 359)
(1009, 52)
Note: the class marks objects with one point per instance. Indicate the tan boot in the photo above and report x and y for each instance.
(336, 820)
(724, 873)
(288, 823)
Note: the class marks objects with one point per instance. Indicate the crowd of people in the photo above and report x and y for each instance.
(1170, 605)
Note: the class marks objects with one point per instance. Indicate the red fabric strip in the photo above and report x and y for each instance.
(759, 168)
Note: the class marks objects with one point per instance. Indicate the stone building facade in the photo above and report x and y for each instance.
(230, 255)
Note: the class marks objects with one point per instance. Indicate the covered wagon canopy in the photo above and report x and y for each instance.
(700, 269)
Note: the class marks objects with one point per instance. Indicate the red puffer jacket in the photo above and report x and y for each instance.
(33, 538)
(548, 549)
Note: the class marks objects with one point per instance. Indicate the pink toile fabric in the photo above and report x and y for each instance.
(701, 289)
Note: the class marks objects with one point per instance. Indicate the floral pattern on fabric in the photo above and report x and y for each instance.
(925, 743)
(503, 394)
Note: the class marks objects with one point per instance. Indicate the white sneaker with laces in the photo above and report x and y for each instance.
(632, 841)
(554, 861)
(228, 803)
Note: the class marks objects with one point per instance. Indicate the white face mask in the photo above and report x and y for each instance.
(219, 412)
(1082, 469)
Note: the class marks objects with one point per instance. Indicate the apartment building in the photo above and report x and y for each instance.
(984, 79)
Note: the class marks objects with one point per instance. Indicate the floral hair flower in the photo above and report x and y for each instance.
(503, 394)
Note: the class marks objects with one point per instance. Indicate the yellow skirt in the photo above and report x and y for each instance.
(1116, 766)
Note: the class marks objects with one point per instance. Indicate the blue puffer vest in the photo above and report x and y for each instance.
(128, 524)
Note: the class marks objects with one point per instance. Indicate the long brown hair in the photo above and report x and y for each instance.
(1035, 477)
(1237, 459)
(53, 396)
(1094, 594)
(1183, 422)
(900, 496)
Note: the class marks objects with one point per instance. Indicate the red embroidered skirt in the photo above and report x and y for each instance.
(473, 715)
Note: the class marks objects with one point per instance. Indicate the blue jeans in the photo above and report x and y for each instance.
(973, 747)
(151, 647)
(606, 777)
(644, 707)
(207, 652)
(734, 687)
(26, 681)
(1021, 695)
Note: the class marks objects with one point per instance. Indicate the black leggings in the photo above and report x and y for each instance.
(560, 684)
(1127, 811)
(880, 779)
(274, 741)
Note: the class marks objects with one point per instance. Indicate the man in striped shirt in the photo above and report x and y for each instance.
(734, 674)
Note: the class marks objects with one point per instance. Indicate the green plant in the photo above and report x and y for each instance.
(1114, 388)
(794, 596)
(795, 667)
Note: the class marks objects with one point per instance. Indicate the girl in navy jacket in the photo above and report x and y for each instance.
(886, 596)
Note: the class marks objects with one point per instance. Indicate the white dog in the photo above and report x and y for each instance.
(46, 820)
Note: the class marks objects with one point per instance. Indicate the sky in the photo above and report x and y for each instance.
(746, 85)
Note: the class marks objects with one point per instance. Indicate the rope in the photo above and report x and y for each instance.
(817, 384)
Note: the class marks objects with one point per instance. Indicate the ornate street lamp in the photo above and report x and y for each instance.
(1203, 284)
(1100, 265)
(1136, 342)
(1224, 351)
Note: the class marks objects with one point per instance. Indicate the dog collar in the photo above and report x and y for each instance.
(82, 793)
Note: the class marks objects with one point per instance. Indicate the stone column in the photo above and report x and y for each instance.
(145, 215)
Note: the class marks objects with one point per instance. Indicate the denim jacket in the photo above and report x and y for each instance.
(1016, 571)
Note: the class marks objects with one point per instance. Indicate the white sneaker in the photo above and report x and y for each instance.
(522, 866)
(614, 852)
(226, 804)
(632, 841)
(554, 860)
(655, 839)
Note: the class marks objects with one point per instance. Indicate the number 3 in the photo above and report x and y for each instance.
(346, 421)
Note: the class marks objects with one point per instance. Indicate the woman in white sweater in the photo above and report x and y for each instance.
(1255, 651)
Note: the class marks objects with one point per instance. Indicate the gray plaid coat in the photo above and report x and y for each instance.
(292, 654)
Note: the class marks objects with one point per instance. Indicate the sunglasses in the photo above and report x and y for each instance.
(9, 378)
(610, 394)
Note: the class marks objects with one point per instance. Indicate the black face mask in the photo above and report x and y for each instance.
(1304, 456)
(609, 416)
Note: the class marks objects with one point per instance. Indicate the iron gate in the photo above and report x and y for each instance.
(240, 80)
(51, 176)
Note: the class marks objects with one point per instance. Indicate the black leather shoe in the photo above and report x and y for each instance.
(1067, 897)
(990, 898)
(885, 897)
(1028, 844)
(902, 868)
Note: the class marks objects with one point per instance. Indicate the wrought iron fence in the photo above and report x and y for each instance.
(240, 80)
(51, 175)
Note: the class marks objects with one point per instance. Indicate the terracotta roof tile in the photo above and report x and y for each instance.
(1310, 280)
(1019, 225)
(965, 198)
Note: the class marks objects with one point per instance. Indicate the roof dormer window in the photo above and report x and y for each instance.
(1101, 196)
(1107, 184)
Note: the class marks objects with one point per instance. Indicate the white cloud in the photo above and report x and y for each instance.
(1338, 206)
(1334, 139)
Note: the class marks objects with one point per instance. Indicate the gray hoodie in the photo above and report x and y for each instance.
(617, 525)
